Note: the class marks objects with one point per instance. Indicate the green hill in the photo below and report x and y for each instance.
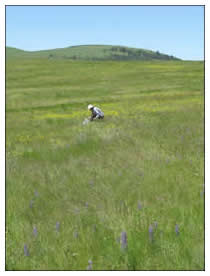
(91, 52)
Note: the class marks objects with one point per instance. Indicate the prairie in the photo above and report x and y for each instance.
(72, 189)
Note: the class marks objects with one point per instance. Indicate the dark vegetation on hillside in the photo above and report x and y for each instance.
(123, 53)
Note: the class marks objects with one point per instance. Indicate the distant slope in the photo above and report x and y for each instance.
(14, 52)
(91, 52)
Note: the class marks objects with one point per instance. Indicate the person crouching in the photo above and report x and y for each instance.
(96, 113)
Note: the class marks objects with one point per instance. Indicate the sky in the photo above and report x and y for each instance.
(172, 30)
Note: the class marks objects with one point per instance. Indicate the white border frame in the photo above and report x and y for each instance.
(3, 3)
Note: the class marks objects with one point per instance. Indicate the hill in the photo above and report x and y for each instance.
(91, 52)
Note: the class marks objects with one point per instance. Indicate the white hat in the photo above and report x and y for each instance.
(90, 106)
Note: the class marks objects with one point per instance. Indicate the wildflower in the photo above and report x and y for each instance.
(76, 234)
(177, 229)
(36, 194)
(151, 233)
(35, 232)
(26, 252)
(31, 203)
(89, 267)
(124, 240)
(57, 226)
(139, 205)
(155, 224)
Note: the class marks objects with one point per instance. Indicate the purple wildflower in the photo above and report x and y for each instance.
(139, 205)
(151, 233)
(177, 229)
(26, 252)
(89, 267)
(124, 243)
(76, 234)
(35, 232)
(57, 226)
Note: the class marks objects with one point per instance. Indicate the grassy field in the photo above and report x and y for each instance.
(73, 189)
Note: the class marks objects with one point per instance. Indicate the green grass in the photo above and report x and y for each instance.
(149, 148)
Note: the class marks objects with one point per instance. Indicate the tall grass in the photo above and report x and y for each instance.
(124, 193)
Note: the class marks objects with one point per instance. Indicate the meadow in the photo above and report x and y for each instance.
(123, 193)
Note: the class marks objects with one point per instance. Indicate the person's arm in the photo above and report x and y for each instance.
(93, 115)
(97, 116)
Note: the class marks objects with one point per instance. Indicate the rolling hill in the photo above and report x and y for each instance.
(91, 52)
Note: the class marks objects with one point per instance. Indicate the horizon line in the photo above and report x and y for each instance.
(114, 45)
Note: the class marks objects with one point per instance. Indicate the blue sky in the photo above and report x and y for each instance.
(173, 30)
